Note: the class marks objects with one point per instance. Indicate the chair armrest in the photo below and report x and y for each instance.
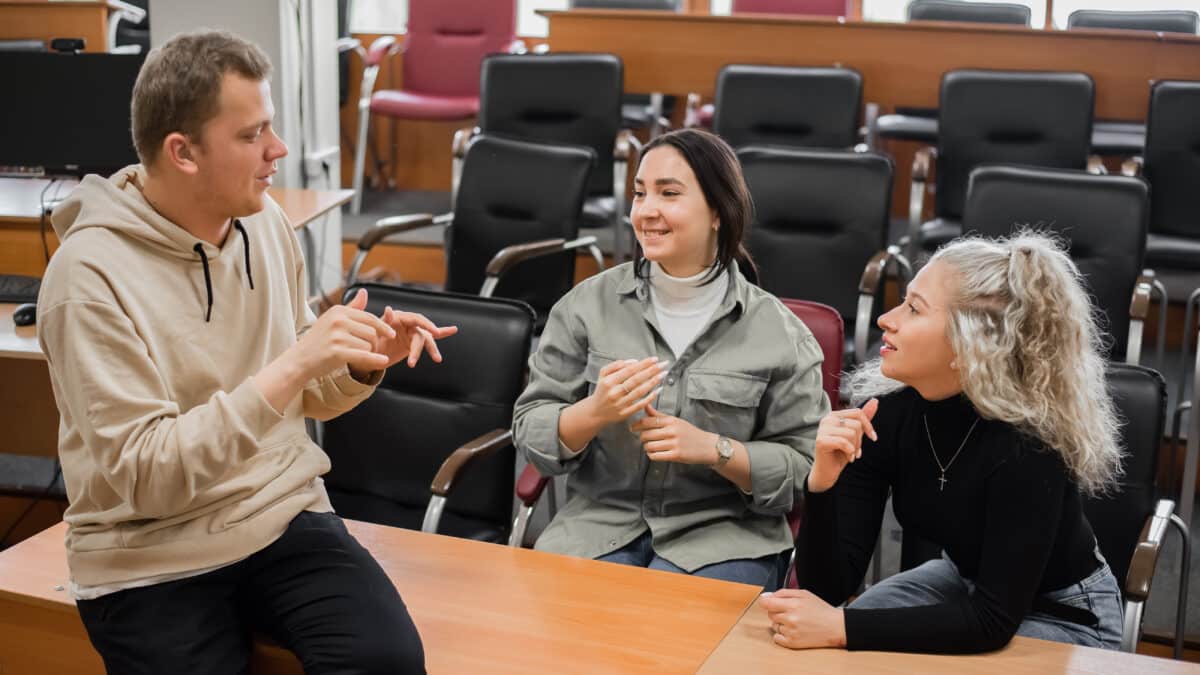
(1139, 309)
(868, 287)
(128, 12)
(627, 148)
(383, 47)
(482, 446)
(1095, 165)
(923, 161)
(1133, 166)
(517, 46)
(387, 227)
(691, 115)
(393, 225)
(462, 141)
(348, 44)
(511, 256)
(530, 485)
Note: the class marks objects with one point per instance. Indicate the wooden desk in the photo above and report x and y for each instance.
(45, 20)
(749, 649)
(20, 237)
(480, 608)
(901, 63)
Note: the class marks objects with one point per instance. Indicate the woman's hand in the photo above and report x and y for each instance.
(671, 439)
(801, 620)
(626, 387)
(839, 442)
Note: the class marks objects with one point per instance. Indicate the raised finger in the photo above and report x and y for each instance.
(414, 348)
(431, 345)
(864, 422)
(644, 386)
(364, 317)
(632, 367)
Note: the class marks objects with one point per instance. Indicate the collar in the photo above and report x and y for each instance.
(737, 296)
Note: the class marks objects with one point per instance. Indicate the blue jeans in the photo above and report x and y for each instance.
(939, 580)
(766, 572)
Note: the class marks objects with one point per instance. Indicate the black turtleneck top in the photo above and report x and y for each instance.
(1009, 516)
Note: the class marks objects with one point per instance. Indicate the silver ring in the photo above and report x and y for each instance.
(626, 389)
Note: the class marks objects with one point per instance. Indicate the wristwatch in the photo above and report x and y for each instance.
(724, 451)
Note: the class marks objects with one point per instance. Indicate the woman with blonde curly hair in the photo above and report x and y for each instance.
(987, 418)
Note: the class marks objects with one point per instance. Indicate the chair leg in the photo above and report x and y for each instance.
(360, 156)
(1185, 572)
(1187, 492)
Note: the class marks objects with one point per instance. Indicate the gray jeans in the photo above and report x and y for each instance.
(939, 580)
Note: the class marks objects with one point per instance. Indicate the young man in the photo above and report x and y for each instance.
(184, 361)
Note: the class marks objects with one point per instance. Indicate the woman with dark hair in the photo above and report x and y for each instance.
(682, 400)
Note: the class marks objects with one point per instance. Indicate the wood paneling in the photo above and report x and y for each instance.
(901, 64)
(45, 20)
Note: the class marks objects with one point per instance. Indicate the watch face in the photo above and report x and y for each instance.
(724, 446)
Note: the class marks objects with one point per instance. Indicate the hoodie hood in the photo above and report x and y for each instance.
(117, 204)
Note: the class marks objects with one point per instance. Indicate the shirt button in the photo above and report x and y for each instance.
(612, 544)
(671, 380)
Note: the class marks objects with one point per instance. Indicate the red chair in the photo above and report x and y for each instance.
(824, 322)
(445, 42)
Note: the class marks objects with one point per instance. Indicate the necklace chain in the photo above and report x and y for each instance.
(933, 450)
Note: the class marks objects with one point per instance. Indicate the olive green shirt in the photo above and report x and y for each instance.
(752, 374)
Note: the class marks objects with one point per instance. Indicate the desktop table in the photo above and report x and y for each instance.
(480, 608)
(749, 648)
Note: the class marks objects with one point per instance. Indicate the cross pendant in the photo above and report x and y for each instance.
(942, 480)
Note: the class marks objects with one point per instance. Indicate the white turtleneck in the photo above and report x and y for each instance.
(683, 305)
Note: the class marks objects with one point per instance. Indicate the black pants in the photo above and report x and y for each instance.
(315, 590)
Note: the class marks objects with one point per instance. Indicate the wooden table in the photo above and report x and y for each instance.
(20, 225)
(901, 63)
(480, 608)
(749, 649)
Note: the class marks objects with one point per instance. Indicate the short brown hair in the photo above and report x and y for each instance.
(179, 86)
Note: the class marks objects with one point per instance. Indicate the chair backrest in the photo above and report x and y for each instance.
(999, 117)
(660, 5)
(1102, 218)
(819, 216)
(385, 451)
(1140, 395)
(970, 12)
(1172, 159)
(1164, 21)
(447, 39)
(806, 7)
(516, 192)
(572, 99)
(826, 325)
(779, 105)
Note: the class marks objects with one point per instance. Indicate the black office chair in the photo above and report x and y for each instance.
(641, 111)
(970, 12)
(920, 124)
(1129, 523)
(820, 229)
(431, 449)
(1103, 220)
(996, 117)
(1162, 21)
(787, 106)
(572, 99)
(513, 232)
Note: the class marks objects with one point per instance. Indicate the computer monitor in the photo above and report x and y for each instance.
(67, 113)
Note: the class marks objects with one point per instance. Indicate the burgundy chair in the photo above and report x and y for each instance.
(808, 7)
(445, 42)
(824, 322)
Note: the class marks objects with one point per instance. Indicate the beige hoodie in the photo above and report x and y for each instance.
(172, 458)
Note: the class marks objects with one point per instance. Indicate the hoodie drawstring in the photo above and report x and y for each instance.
(199, 248)
(246, 242)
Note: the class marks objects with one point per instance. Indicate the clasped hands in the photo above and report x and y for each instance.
(626, 387)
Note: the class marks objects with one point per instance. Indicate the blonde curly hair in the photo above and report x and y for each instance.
(1029, 350)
